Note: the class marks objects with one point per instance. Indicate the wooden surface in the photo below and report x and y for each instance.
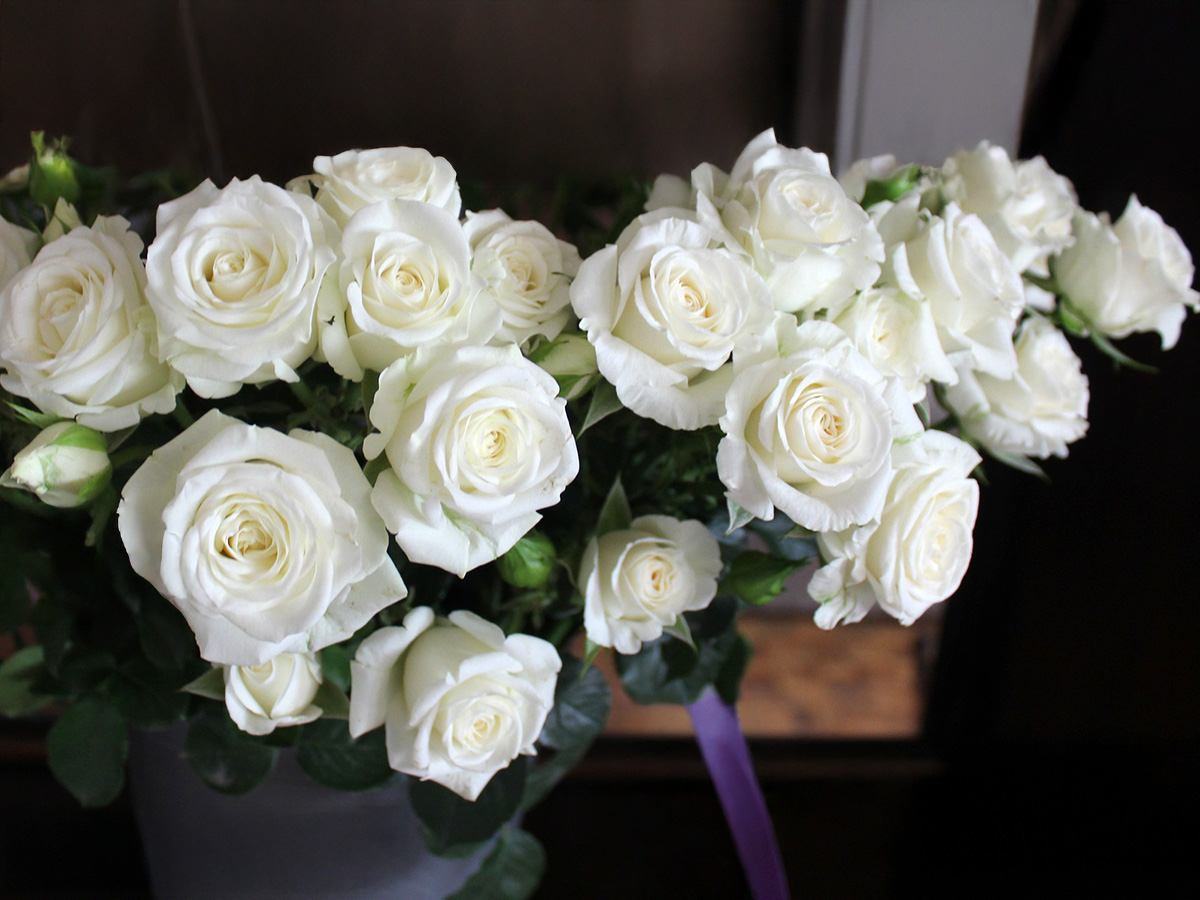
(859, 681)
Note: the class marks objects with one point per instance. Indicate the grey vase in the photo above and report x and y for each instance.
(289, 839)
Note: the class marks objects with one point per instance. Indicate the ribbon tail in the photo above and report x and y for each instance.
(727, 756)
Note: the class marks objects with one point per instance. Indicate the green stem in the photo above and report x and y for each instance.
(304, 394)
(131, 455)
(181, 415)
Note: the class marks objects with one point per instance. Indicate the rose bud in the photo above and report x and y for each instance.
(66, 465)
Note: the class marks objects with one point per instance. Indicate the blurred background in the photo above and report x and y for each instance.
(1040, 732)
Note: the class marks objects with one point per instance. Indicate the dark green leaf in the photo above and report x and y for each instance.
(211, 685)
(615, 514)
(17, 676)
(668, 671)
(733, 669)
(144, 698)
(511, 871)
(757, 577)
(454, 826)
(331, 757)
(166, 639)
(580, 711)
(230, 761)
(335, 666)
(86, 750)
(604, 403)
(333, 701)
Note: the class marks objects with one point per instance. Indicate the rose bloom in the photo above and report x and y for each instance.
(918, 550)
(526, 269)
(810, 431)
(355, 179)
(897, 334)
(667, 309)
(640, 579)
(277, 693)
(404, 282)
(17, 247)
(233, 279)
(477, 441)
(952, 261)
(76, 333)
(1025, 204)
(266, 542)
(1135, 275)
(459, 700)
(1038, 411)
(815, 246)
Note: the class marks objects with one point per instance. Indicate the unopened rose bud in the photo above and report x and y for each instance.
(571, 359)
(52, 174)
(66, 465)
(530, 563)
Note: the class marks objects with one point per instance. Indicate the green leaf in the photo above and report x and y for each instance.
(680, 631)
(335, 666)
(668, 671)
(35, 417)
(733, 669)
(454, 826)
(227, 759)
(757, 578)
(331, 757)
(512, 871)
(1020, 463)
(144, 698)
(604, 403)
(17, 676)
(1105, 346)
(165, 636)
(615, 514)
(580, 711)
(738, 517)
(211, 685)
(86, 750)
(333, 701)
(370, 386)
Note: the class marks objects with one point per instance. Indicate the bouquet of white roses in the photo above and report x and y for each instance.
(334, 467)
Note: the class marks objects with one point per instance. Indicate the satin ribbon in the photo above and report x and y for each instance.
(723, 746)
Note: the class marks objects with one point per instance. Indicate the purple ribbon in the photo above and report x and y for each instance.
(723, 746)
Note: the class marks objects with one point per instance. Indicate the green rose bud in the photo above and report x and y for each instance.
(52, 174)
(571, 359)
(530, 563)
(66, 466)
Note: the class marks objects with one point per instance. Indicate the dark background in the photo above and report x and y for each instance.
(1062, 737)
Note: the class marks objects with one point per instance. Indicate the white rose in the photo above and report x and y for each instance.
(1039, 410)
(813, 243)
(897, 334)
(76, 333)
(916, 554)
(809, 431)
(273, 694)
(477, 441)
(355, 179)
(17, 247)
(266, 542)
(952, 261)
(1026, 205)
(1135, 275)
(640, 579)
(526, 269)
(233, 279)
(66, 466)
(667, 311)
(404, 282)
(458, 699)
